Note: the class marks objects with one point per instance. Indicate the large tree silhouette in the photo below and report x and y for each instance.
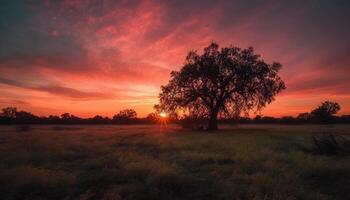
(226, 81)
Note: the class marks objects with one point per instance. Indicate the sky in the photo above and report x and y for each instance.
(96, 57)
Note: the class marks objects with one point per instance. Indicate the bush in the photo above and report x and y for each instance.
(331, 145)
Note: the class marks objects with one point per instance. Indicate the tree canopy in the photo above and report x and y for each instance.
(125, 116)
(9, 112)
(226, 81)
(325, 111)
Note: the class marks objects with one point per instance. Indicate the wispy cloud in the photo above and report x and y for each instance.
(122, 51)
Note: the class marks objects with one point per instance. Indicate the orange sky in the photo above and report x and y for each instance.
(89, 58)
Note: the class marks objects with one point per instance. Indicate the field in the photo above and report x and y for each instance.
(152, 162)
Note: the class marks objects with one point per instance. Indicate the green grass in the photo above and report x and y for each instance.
(146, 162)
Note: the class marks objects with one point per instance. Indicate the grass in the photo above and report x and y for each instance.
(267, 162)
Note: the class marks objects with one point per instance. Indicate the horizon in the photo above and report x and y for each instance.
(88, 58)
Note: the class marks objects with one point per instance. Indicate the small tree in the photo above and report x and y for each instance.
(152, 117)
(125, 116)
(66, 116)
(224, 81)
(9, 112)
(325, 111)
(304, 116)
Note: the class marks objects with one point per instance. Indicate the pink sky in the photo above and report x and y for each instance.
(98, 57)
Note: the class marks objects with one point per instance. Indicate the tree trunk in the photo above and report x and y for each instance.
(213, 122)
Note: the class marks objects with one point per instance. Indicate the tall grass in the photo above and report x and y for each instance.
(146, 162)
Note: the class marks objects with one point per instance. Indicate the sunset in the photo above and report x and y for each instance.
(174, 99)
(95, 58)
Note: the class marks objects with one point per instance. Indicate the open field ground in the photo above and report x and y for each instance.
(150, 162)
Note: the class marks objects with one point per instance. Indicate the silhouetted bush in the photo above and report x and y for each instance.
(331, 145)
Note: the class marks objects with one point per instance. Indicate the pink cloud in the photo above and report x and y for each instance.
(121, 52)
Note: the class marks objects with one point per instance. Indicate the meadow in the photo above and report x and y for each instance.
(260, 162)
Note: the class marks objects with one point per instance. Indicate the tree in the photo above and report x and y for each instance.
(66, 116)
(152, 117)
(54, 119)
(226, 81)
(9, 112)
(98, 119)
(325, 111)
(125, 115)
(304, 116)
(26, 117)
(70, 119)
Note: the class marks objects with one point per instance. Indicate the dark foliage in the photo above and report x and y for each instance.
(153, 117)
(188, 122)
(221, 82)
(11, 115)
(286, 120)
(325, 111)
(125, 116)
(194, 123)
(9, 112)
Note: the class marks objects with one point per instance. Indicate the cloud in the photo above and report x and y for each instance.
(110, 50)
(56, 89)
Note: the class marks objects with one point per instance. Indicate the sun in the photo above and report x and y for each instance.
(162, 114)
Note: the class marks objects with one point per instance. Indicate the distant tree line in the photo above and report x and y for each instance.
(325, 113)
(12, 115)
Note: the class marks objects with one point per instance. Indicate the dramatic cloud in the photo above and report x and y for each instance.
(94, 57)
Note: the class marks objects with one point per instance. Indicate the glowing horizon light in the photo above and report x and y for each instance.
(162, 114)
